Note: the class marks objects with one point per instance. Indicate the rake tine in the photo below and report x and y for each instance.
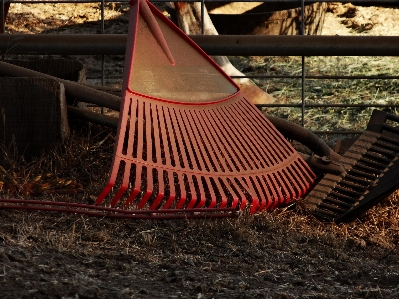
(212, 203)
(289, 185)
(255, 136)
(258, 191)
(211, 191)
(301, 174)
(193, 191)
(182, 199)
(276, 187)
(182, 143)
(164, 133)
(284, 188)
(186, 142)
(278, 147)
(263, 196)
(183, 192)
(217, 132)
(254, 151)
(235, 199)
(132, 127)
(124, 185)
(140, 130)
(161, 190)
(105, 192)
(148, 129)
(223, 200)
(217, 135)
(226, 133)
(149, 190)
(133, 195)
(270, 190)
(171, 135)
(136, 186)
(192, 146)
(201, 156)
(297, 182)
(264, 142)
(129, 151)
(240, 194)
(111, 182)
(239, 132)
(208, 142)
(236, 134)
(297, 178)
(286, 192)
(157, 135)
(176, 142)
(246, 182)
(172, 196)
(297, 174)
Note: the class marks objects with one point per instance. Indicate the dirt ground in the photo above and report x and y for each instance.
(283, 254)
(341, 19)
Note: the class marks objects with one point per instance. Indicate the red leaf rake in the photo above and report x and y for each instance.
(187, 138)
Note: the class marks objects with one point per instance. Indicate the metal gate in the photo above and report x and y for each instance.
(301, 46)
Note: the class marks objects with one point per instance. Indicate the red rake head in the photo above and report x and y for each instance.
(187, 138)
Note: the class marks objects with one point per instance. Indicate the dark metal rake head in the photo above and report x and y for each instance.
(372, 170)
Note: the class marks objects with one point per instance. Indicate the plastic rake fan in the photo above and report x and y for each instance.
(187, 138)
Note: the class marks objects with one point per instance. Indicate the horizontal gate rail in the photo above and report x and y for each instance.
(230, 45)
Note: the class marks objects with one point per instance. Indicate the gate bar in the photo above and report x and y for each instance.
(230, 45)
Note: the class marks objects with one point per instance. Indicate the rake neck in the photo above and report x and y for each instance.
(155, 30)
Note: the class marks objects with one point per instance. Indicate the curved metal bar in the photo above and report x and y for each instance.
(304, 136)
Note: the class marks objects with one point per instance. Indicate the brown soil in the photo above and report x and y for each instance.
(281, 254)
(348, 19)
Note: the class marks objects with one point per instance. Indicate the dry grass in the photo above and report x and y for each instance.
(83, 159)
(327, 91)
(28, 18)
(286, 253)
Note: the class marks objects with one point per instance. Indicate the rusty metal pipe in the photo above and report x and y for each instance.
(63, 44)
(296, 45)
(78, 91)
(324, 164)
(232, 45)
(100, 119)
(304, 136)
